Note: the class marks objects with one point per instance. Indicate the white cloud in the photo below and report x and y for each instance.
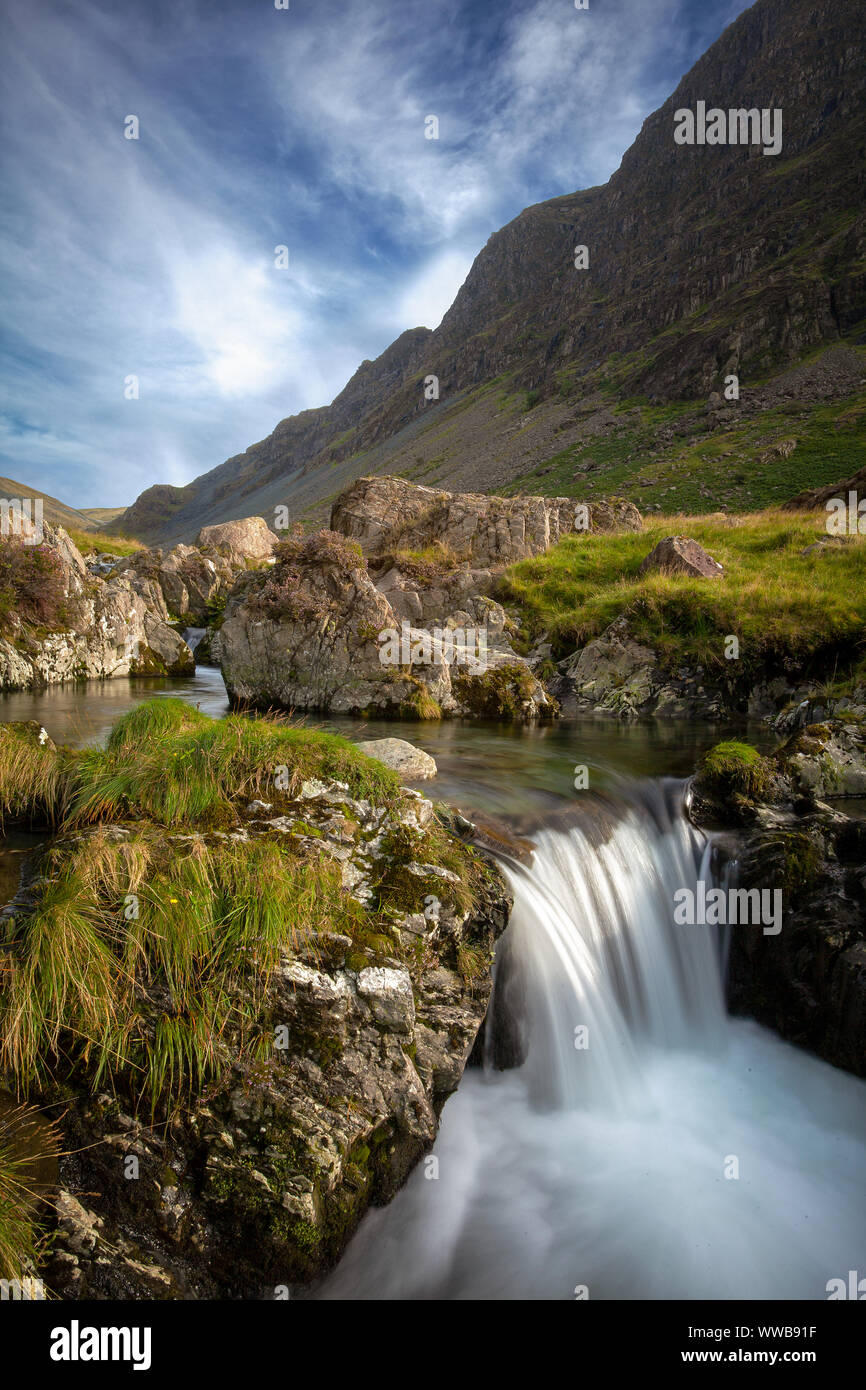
(432, 291)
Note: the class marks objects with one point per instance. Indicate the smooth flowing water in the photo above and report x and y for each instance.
(647, 1146)
(644, 1145)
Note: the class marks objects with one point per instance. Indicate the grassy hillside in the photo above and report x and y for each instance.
(747, 464)
(790, 611)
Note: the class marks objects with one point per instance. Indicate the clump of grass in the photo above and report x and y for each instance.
(26, 1142)
(736, 768)
(150, 964)
(97, 543)
(176, 766)
(789, 611)
(146, 961)
(32, 775)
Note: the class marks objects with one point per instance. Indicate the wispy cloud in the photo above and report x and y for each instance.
(259, 128)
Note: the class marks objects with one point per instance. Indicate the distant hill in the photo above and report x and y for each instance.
(56, 513)
(704, 260)
(102, 516)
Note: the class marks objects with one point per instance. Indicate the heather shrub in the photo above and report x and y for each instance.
(31, 584)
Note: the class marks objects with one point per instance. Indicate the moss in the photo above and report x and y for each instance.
(420, 704)
(500, 693)
(306, 1235)
(791, 860)
(736, 769)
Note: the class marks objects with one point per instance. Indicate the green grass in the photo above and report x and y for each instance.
(97, 543)
(735, 466)
(736, 768)
(25, 1142)
(178, 767)
(146, 960)
(788, 611)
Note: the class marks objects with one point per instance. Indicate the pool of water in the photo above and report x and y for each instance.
(500, 769)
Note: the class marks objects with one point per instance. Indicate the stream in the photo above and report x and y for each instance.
(647, 1146)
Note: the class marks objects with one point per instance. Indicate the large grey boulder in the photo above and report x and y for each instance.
(385, 514)
(315, 633)
(248, 539)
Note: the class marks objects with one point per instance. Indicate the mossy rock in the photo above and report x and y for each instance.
(732, 779)
(499, 693)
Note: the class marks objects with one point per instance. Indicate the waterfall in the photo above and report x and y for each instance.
(640, 1144)
(603, 972)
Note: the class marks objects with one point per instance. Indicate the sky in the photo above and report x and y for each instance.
(305, 127)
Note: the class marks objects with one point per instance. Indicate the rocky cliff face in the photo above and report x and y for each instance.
(703, 260)
(390, 514)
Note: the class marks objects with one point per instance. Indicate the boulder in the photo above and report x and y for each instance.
(316, 633)
(809, 980)
(238, 541)
(385, 514)
(680, 555)
(410, 763)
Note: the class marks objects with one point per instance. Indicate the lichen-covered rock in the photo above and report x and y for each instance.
(256, 1184)
(680, 555)
(807, 981)
(192, 581)
(113, 627)
(316, 633)
(384, 513)
(248, 539)
(827, 760)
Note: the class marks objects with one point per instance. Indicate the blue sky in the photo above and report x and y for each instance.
(262, 127)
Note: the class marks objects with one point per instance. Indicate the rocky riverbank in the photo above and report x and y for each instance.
(784, 828)
(66, 619)
(271, 967)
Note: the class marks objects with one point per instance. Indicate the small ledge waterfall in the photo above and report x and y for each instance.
(641, 1144)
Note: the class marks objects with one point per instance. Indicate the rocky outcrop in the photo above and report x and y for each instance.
(680, 555)
(194, 580)
(318, 633)
(787, 832)
(813, 498)
(389, 514)
(255, 1185)
(115, 627)
(615, 674)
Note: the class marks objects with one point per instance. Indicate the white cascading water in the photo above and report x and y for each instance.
(605, 1160)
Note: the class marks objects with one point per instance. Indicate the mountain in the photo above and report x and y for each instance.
(704, 261)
